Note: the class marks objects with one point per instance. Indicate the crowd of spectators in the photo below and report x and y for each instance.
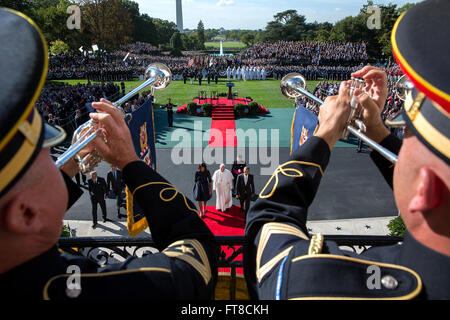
(307, 52)
(68, 105)
(330, 60)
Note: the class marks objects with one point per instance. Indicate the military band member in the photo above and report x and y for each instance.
(283, 261)
(169, 107)
(34, 195)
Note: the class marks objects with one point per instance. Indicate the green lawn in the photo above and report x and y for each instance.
(226, 44)
(266, 93)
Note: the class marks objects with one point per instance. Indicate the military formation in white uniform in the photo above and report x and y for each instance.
(246, 73)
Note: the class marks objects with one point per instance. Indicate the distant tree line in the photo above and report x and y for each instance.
(289, 25)
(110, 23)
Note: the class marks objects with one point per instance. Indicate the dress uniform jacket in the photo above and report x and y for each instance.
(185, 267)
(282, 261)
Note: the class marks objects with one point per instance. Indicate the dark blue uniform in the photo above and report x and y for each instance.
(185, 268)
(282, 261)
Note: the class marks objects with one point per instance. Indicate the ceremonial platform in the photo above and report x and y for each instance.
(223, 128)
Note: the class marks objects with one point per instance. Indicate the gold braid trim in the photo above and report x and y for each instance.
(169, 188)
(135, 228)
(316, 244)
(288, 172)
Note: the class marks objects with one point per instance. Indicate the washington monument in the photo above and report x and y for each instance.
(179, 16)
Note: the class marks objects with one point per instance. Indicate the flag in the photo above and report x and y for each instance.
(191, 62)
(126, 57)
(81, 49)
(142, 130)
(94, 47)
(304, 125)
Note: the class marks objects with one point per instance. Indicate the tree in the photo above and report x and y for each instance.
(288, 25)
(186, 42)
(201, 34)
(195, 41)
(59, 47)
(248, 38)
(106, 23)
(176, 43)
(285, 16)
(164, 30)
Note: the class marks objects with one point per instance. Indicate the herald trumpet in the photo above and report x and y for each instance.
(158, 77)
(293, 86)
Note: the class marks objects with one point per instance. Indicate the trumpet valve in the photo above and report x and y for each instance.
(360, 125)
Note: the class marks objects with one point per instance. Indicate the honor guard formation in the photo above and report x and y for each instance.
(282, 260)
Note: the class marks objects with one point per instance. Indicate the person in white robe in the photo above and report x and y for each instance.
(238, 71)
(233, 72)
(228, 73)
(263, 74)
(222, 185)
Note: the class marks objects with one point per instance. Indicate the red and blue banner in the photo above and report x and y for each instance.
(304, 125)
(142, 128)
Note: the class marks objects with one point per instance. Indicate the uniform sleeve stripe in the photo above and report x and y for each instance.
(268, 230)
(202, 267)
(102, 274)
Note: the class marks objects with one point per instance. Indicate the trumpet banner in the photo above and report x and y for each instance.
(304, 125)
(142, 128)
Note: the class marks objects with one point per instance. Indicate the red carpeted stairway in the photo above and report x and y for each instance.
(223, 112)
(229, 223)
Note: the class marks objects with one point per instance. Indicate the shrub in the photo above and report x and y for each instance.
(239, 109)
(249, 98)
(397, 227)
(253, 108)
(192, 108)
(59, 47)
(207, 109)
(65, 233)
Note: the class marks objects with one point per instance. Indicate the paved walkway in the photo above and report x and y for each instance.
(365, 226)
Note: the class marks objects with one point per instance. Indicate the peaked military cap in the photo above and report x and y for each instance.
(420, 43)
(23, 65)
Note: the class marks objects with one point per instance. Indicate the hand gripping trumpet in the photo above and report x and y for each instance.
(293, 87)
(158, 77)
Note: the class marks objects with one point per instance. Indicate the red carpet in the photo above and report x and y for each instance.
(230, 223)
(223, 128)
(223, 133)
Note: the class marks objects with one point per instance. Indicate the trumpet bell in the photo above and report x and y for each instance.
(403, 87)
(291, 83)
(161, 73)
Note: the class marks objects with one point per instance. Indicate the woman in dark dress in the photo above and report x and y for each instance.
(202, 188)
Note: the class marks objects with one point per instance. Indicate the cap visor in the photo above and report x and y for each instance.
(53, 136)
(396, 121)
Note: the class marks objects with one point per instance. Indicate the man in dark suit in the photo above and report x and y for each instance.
(115, 187)
(98, 191)
(169, 106)
(245, 189)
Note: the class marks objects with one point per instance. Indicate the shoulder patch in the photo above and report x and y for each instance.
(192, 252)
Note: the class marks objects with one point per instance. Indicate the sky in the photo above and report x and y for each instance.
(253, 14)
